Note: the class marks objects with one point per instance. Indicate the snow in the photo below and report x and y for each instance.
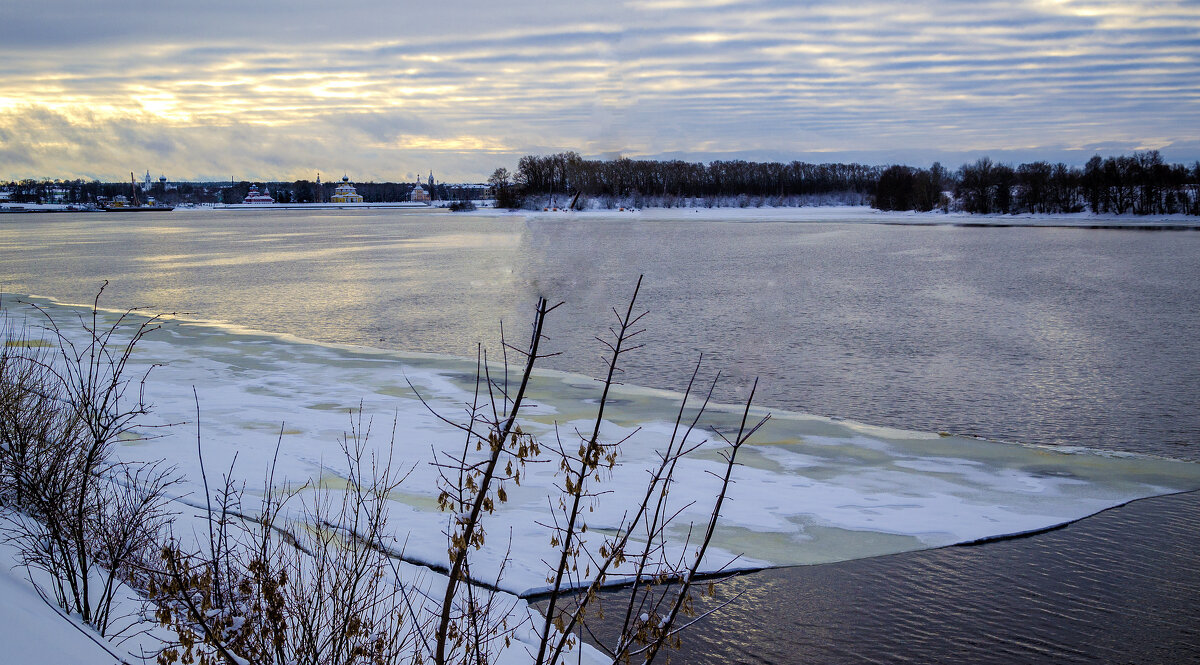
(801, 476)
(35, 630)
(850, 214)
(32, 631)
(809, 489)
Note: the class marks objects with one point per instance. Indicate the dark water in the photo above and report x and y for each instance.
(1056, 336)
(1119, 587)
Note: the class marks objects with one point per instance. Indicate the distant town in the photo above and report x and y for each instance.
(161, 191)
(1138, 184)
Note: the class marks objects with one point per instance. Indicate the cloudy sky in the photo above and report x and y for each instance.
(273, 89)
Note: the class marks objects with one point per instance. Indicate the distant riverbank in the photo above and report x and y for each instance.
(321, 206)
(859, 214)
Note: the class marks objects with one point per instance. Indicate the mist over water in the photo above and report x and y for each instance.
(1056, 336)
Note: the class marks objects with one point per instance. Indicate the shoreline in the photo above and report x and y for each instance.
(859, 215)
(800, 214)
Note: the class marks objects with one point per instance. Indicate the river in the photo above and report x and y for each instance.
(1058, 336)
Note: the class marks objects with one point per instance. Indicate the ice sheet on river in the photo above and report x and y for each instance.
(811, 489)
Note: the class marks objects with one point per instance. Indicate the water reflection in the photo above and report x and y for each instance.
(1041, 335)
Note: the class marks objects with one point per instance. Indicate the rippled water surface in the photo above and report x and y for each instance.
(1055, 336)
(1119, 587)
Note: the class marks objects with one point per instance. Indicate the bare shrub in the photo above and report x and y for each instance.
(318, 589)
(319, 585)
(473, 486)
(36, 421)
(65, 408)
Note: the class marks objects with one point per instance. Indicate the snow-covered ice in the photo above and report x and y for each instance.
(809, 489)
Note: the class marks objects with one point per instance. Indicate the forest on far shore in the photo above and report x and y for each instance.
(1141, 184)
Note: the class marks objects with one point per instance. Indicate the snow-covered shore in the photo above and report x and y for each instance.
(809, 490)
(840, 214)
(857, 215)
(33, 631)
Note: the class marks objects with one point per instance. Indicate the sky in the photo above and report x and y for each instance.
(384, 90)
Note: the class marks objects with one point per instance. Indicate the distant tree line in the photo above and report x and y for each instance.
(568, 173)
(908, 188)
(1140, 184)
(94, 191)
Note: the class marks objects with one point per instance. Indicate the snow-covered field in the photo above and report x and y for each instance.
(809, 490)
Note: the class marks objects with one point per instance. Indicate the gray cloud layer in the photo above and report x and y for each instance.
(277, 89)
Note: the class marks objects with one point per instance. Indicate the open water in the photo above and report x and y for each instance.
(1069, 337)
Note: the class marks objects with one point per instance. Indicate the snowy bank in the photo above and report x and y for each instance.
(855, 215)
(810, 489)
